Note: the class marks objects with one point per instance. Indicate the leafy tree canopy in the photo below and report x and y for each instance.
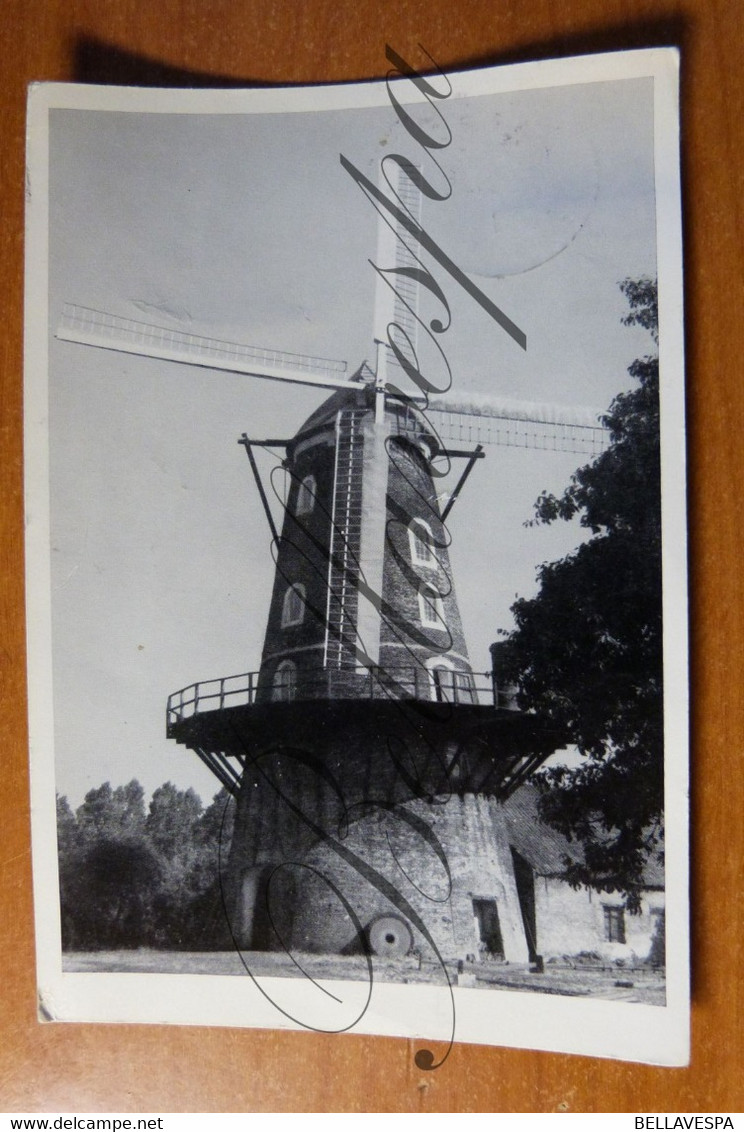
(171, 817)
(130, 878)
(115, 813)
(587, 650)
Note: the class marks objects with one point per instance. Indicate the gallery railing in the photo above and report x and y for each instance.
(245, 689)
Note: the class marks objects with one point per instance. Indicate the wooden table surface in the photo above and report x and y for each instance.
(110, 1068)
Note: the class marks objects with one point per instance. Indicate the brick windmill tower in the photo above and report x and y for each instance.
(368, 761)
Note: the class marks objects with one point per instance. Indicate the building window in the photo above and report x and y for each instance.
(430, 607)
(285, 682)
(447, 684)
(657, 953)
(442, 683)
(421, 540)
(464, 691)
(306, 496)
(293, 607)
(614, 924)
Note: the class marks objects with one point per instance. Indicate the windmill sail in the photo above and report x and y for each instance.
(469, 419)
(456, 418)
(464, 419)
(396, 288)
(127, 335)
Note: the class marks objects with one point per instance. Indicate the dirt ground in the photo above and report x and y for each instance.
(617, 984)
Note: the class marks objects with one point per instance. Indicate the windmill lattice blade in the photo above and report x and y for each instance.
(396, 293)
(111, 332)
(468, 419)
(517, 433)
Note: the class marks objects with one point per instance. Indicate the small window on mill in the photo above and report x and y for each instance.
(306, 496)
(285, 682)
(421, 539)
(293, 607)
(431, 608)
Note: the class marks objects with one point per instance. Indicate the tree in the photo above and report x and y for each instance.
(170, 822)
(171, 827)
(208, 921)
(112, 892)
(587, 650)
(66, 826)
(115, 813)
(67, 857)
(108, 871)
(129, 880)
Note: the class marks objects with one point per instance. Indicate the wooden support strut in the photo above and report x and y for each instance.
(247, 444)
(478, 454)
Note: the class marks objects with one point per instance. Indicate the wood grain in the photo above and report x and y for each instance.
(86, 1068)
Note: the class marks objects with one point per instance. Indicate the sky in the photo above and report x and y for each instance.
(246, 227)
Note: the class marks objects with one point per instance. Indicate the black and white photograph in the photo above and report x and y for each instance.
(356, 556)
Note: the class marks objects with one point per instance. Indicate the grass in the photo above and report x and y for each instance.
(628, 985)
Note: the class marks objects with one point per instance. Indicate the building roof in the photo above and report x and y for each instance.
(544, 848)
(541, 846)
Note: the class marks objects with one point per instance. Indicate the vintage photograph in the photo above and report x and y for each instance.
(356, 556)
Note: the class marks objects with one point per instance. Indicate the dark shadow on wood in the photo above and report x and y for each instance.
(676, 31)
(95, 61)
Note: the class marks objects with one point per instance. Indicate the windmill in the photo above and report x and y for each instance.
(365, 715)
